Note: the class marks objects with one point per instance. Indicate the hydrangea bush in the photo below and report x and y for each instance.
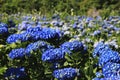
(73, 48)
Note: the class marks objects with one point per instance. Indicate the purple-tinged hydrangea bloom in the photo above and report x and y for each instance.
(15, 73)
(17, 53)
(66, 73)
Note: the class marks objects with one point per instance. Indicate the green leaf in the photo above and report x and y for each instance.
(55, 79)
(13, 45)
(66, 63)
(67, 57)
(76, 78)
(2, 69)
(94, 70)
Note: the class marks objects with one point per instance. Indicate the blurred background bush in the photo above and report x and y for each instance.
(73, 7)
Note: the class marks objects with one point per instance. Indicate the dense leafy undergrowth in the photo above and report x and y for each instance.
(73, 48)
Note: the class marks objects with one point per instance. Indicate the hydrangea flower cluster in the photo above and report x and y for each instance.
(15, 73)
(22, 36)
(53, 55)
(46, 34)
(17, 53)
(99, 48)
(73, 46)
(105, 54)
(38, 45)
(110, 78)
(111, 69)
(36, 33)
(24, 25)
(57, 54)
(65, 73)
(77, 28)
(109, 56)
(98, 32)
(3, 28)
(109, 61)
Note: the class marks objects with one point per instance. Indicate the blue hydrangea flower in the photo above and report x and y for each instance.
(109, 56)
(25, 25)
(73, 46)
(33, 29)
(98, 32)
(48, 33)
(75, 25)
(17, 53)
(99, 49)
(24, 37)
(15, 73)
(96, 78)
(3, 25)
(88, 19)
(111, 69)
(3, 28)
(35, 34)
(53, 55)
(98, 74)
(107, 78)
(18, 37)
(38, 45)
(45, 34)
(13, 38)
(65, 74)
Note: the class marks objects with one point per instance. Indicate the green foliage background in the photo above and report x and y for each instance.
(80, 7)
